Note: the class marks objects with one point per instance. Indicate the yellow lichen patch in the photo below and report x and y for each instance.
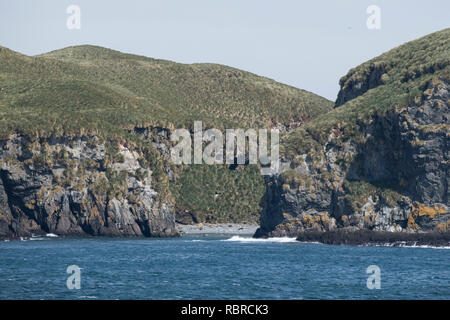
(344, 219)
(412, 222)
(444, 226)
(428, 92)
(418, 143)
(93, 213)
(369, 213)
(434, 128)
(308, 220)
(324, 216)
(420, 210)
(29, 205)
(83, 205)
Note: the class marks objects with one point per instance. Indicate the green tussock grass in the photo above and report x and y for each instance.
(409, 61)
(402, 88)
(96, 87)
(89, 90)
(357, 194)
(218, 194)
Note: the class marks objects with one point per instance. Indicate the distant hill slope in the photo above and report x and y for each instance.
(96, 88)
(380, 159)
(85, 138)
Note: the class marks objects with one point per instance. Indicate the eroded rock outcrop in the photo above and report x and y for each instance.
(81, 186)
(358, 81)
(393, 175)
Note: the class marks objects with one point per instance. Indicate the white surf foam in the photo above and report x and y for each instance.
(36, 238)
(423, 246)
(51, 235)
(403, 245)
(248, 239)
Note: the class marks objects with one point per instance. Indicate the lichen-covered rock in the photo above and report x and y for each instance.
(391, 176)
(80, 186)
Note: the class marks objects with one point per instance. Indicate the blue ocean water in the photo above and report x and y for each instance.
(218, 268)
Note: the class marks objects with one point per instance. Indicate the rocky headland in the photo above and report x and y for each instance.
(376, 168)
(85, 149)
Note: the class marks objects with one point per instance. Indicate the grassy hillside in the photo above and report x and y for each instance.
(402, 64)
(96, 88)
(89, 89)
(218, 194)
(407, 70)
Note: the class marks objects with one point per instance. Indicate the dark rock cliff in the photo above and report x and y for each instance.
(394, 179)
(356, 83)
(78, 186)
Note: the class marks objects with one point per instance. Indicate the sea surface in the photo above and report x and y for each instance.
(217, 267)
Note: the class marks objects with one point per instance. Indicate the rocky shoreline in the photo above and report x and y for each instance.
(377, 238)
(200, 229)
(206, 229)
(335, 237)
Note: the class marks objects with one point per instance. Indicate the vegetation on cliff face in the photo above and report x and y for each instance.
(378, 160)
(81, 185)
(379, 155)
(89, 91)
(398, 91)
(399, 65)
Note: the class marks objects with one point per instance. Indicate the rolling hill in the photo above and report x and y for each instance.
(85, 136)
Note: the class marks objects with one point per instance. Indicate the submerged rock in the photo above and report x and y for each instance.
(376, 238)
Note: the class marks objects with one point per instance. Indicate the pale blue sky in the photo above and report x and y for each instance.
(306, 44)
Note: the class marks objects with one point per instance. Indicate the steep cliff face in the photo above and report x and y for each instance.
(402, 64)
(355, 84)
(392, 175)
(84, 136)
(80, 186)
(380, 160)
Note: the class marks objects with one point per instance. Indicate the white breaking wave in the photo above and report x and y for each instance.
(423, 246)
(248, 239)
(34, 239)
(51, 235)
(39, 238)
(403, 245)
